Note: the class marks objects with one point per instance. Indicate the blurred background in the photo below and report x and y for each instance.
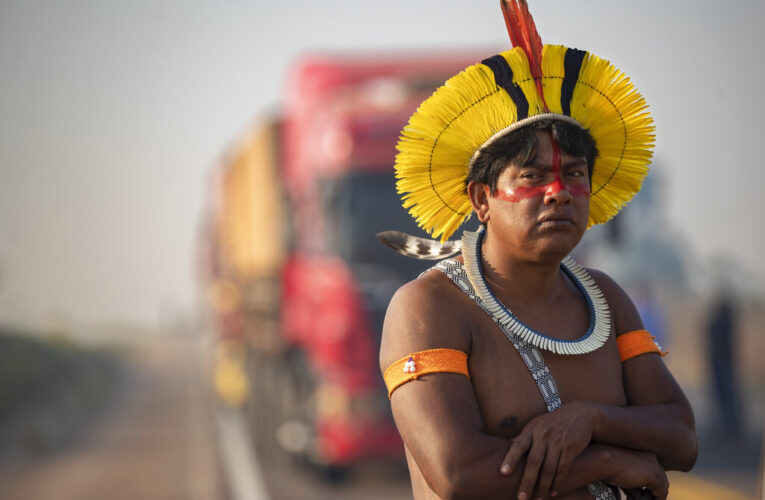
(191, 294)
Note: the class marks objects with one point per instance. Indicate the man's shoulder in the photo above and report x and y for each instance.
(605, 282)
(623, 310)
(425, 313)
(432, 295)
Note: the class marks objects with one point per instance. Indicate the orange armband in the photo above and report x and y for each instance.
(421, 363)
(637, 342)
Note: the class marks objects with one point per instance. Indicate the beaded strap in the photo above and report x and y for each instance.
(530, 355)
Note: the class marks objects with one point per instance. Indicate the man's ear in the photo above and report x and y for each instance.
(479, 193)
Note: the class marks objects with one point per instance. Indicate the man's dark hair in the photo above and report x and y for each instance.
(520, 146)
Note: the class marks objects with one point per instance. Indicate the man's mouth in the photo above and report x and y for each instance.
(556, 220)
(552, 217)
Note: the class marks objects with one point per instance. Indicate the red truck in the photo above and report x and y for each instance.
(298, 282)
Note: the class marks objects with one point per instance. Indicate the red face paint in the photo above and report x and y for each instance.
(520, 193)
(550, 189)
(556, 186)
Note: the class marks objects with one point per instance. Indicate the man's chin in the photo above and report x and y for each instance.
(557, 243)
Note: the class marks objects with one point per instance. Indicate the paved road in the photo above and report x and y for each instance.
(156, 441)
(290, 482)
(162, 437)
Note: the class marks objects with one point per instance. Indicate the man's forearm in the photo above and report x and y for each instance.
(667, 430)
(480, 477)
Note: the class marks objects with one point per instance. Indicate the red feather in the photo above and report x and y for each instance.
(523, 34)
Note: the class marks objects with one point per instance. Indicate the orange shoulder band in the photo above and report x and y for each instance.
(637, 342)
(421, 363)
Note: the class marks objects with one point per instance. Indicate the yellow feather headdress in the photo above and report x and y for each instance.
(501, 94)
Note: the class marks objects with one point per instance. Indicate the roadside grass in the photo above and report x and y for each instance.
(50, 388)
(28, 362)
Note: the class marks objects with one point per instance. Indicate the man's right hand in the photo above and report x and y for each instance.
(550, 441)
(638, 469)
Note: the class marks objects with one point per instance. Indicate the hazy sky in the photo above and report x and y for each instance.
(112, 113)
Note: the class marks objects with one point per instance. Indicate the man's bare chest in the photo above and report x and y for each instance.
(508, 395)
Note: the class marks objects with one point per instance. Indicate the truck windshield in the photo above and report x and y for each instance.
(359, 205)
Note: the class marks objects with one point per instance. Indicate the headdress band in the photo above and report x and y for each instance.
(517, 125)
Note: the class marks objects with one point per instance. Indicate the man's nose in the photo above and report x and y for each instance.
(557, 192)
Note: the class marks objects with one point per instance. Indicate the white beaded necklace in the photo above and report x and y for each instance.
(600, 317)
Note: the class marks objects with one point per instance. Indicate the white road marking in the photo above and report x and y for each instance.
(242, 470)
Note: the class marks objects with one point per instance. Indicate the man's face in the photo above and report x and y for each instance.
(542, 207)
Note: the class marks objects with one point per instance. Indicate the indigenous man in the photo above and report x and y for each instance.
(512, 370)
